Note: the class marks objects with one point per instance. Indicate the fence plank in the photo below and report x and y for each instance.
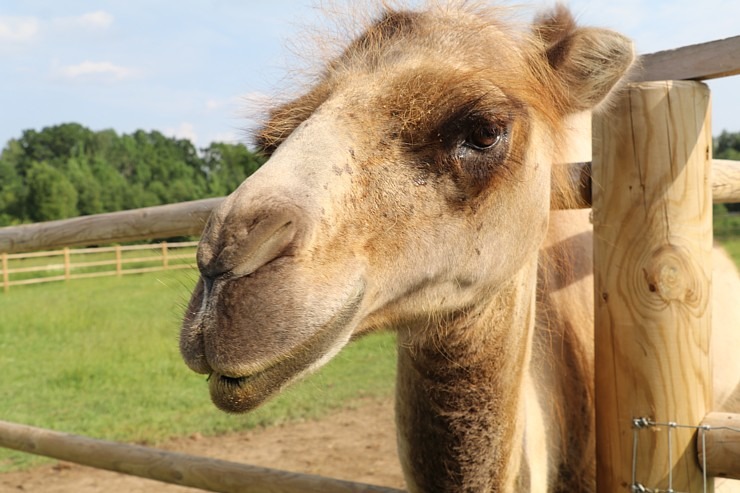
(725, 181)
(722, 439)
(46, 253)
(171, 467)
(165, 221)
(36, 268)
(696, 62)
(37, 280)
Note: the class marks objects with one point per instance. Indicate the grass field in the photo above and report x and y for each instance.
(100, 357)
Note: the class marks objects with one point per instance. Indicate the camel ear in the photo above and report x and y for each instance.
(590, 62)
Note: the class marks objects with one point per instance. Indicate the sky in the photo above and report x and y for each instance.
(193, 69)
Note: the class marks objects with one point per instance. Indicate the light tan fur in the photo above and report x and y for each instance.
(410, 187)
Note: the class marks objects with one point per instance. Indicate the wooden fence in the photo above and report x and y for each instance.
(18, 269)
(614, 428)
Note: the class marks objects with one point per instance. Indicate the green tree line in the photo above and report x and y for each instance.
(69, 170)
(727, 216)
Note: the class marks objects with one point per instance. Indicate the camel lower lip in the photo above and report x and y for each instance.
(238, 394)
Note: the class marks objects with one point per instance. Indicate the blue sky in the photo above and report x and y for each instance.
(188, 67)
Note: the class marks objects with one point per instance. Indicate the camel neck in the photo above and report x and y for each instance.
(460, 394)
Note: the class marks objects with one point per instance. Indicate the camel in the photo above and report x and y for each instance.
(410, 188)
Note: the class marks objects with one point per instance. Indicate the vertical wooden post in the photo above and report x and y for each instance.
(67, 264)
(6, 274)
(652, 259)
(165, 260)
(119, 263)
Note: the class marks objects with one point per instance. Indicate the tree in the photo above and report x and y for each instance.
(227, 165)
(50, 194)
(54, 145)
(114, 188)
(12, 186)
(727, 146)
(89, 191)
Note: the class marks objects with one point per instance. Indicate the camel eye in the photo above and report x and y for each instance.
(484, 137)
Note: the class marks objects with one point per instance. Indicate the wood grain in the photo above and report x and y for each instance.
(652, 260)
(696, 62)
(171, 467)
(722, 445)
(165, 221)
(725, 181)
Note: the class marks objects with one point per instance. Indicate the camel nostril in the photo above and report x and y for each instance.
(267, 244)
(249, 235)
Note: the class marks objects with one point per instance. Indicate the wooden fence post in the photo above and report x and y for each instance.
(67, 264)
(165, 261)
(6, 274)
(119, 263)
(652, 260)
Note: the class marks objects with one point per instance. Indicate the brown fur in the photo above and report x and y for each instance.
(410, 187)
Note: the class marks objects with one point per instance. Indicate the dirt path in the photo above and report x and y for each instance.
(353, 444)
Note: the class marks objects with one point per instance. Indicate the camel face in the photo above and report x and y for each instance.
(407, 185)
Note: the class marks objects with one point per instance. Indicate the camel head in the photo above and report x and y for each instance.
(408, 183)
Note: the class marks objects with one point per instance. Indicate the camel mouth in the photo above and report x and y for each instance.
(242, 393)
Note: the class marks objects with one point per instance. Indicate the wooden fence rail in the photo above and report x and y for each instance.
(149, 223)
(171, 467)
(19, 269)
(703, 61)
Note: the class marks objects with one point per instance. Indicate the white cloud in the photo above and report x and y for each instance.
(185, 130)
(99, 19)
(18, 29)
(89, 69)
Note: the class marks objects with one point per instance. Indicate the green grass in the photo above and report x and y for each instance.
(99, 357)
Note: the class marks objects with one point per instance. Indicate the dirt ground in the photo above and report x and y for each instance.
(354, 444)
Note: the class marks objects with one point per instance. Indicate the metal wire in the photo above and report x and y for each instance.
(639, 424)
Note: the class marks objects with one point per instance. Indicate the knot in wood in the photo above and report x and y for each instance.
(671, 274)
